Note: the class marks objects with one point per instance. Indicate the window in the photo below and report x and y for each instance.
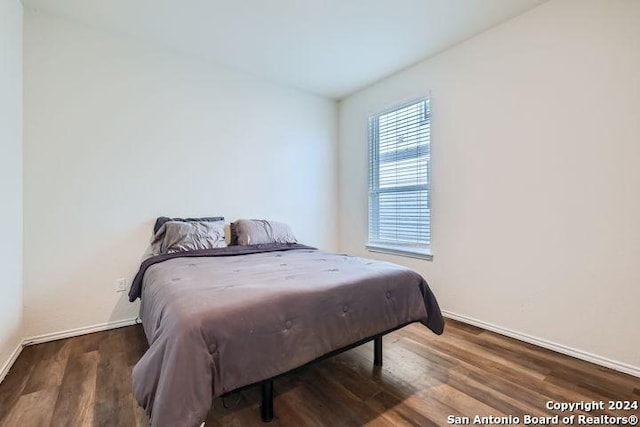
(399, 166)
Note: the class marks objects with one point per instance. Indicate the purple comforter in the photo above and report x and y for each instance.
(216, 322)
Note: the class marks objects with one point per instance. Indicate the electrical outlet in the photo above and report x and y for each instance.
(121, 284)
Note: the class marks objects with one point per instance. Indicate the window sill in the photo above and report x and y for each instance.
(401, 251)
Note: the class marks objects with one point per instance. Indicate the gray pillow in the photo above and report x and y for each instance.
(191, 236)
(259, 231)
(162, 219)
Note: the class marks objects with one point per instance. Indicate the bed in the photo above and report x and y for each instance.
(221, 319)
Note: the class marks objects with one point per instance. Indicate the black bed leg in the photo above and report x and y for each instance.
(377, 351)
(266, 410)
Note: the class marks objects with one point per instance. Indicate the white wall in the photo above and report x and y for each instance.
(536, 174)
(118, 133)
(10, 178)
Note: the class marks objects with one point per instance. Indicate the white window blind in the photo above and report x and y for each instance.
(399, 166)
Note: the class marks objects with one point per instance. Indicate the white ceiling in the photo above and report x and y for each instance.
(329, 47)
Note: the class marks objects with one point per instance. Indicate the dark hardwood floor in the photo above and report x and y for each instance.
(86, 381)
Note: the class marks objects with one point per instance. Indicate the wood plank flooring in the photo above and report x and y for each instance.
(86, 381)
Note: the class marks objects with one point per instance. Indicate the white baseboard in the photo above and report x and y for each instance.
(38, 339)
(5, 369)
(559, 348)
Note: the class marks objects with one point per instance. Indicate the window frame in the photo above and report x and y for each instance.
(402, 249)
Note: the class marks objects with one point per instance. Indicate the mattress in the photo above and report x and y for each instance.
(220, 319)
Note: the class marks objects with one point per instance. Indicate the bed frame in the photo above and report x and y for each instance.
(266, 386)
